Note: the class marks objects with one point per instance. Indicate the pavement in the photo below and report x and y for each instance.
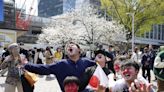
(42, 85)
(45, 84)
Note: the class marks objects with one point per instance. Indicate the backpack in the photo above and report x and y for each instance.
(159, 72)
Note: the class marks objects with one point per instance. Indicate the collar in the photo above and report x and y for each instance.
(72, 62)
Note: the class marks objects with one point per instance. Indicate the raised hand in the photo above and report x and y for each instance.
(137, 86)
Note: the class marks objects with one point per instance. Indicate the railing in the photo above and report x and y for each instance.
(148, 41)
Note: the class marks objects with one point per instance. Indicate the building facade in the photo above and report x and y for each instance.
(1, 11)
(68, 5)
(8, 15)
(155, 36)
(48, 8)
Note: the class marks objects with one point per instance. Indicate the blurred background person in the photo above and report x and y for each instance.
(38, 58)
(58, 55)
(4, 55)
(159, 69)
(146, 64)
(13, 62)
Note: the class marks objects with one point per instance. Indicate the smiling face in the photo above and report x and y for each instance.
(129, 73)
(72, 49)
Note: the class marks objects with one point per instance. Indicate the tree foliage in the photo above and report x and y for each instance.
(146, 13)
(83, 26)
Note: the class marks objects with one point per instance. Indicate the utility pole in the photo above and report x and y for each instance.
(132, 15)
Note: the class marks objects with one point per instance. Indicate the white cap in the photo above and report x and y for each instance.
(11, 46)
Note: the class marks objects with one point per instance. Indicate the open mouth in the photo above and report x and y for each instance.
(99, 57)
(127, 75)
(70, 49)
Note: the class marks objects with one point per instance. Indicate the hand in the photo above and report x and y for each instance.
(8, 58)
(136, 86)
(23, 60)
(108, 59)
(101, 89)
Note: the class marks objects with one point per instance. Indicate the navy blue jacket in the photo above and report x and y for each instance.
(62, 69)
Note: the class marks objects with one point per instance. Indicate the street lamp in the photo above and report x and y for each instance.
(132, 14)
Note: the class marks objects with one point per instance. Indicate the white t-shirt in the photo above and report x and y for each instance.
(121, 85)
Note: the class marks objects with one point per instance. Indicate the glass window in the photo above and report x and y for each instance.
(162, 32)
(155, 31)
(159, 31)
(147, 35)
(151, 34)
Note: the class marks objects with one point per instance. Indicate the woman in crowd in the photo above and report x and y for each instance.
(13, 63)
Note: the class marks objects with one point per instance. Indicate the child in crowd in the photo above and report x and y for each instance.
(71, 84)
(130, 81)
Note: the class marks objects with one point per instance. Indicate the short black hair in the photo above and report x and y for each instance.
(100, 52)
(71, 79)
(111, 46)
(130, 63)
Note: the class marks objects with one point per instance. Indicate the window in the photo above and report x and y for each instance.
(155, 31)
(162, 32)
(151, 34)
(159, 32)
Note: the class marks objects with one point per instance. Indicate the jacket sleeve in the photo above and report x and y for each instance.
(42, 69)
(86, 77)
(5, 63)
(158, 63)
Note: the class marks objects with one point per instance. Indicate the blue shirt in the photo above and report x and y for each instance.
(62, 69)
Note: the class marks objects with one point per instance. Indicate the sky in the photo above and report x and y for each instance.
(27, 4)
(68, 5)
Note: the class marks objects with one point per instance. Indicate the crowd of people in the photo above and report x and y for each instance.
(74, 71)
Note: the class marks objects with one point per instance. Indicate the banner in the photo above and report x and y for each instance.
(1, 11)
(7, 36)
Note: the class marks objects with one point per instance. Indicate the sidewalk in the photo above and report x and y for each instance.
(42, 85)
(51, 85)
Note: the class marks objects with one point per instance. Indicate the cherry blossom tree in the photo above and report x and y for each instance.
(83, 26)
